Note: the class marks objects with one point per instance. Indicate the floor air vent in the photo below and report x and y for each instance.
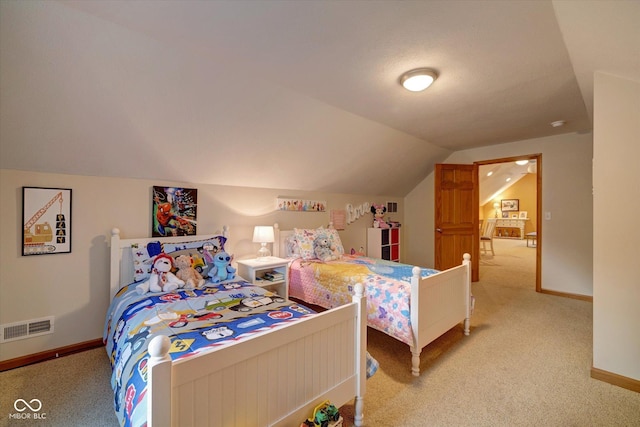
(26, 329)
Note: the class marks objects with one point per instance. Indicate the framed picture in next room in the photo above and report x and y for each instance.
(510, 205)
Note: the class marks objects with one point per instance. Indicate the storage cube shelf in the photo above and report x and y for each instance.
(384, 243)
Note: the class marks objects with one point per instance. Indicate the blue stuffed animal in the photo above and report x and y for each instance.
(222, 269)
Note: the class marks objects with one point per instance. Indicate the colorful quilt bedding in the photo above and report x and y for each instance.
(194, 321)
(387, 287)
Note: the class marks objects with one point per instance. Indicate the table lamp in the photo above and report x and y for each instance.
(263, 234)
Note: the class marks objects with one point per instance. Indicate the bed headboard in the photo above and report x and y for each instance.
(122, 270)
(280, 244)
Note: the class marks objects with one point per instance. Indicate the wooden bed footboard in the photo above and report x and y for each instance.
(438, 303)
(274, 378)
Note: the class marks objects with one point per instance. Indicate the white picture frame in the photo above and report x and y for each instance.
(523, 215)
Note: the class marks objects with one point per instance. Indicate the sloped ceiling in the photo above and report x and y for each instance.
(295, 94)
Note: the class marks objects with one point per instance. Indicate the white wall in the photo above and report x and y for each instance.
(616, 182)
(75, 287)
(566, 193)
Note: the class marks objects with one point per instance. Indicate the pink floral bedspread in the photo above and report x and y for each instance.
(387, 287)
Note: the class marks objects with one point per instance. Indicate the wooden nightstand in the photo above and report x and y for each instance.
(256, 271)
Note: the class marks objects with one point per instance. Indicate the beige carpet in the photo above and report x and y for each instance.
(526, 363)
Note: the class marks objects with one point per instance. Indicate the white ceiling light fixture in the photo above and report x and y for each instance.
(522, 162)
(558, 123)
(419, 79)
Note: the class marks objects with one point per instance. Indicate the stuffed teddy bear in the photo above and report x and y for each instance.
(378, 212)
(324, 249)
(222, 269)
(161, 279)
(186, 272)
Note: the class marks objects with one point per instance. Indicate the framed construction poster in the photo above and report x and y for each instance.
(174, 211)
(46, 220)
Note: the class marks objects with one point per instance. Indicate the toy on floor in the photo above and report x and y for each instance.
(323, 414)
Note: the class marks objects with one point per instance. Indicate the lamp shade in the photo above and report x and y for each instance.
(263, 234)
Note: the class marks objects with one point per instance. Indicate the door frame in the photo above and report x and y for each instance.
(538, 158)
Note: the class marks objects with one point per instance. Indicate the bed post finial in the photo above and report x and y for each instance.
(115, 231)
(466, 258)
(276, 225)
(359, 290)
(159, 348)
(417, 272)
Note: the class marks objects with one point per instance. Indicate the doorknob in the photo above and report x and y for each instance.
(439, 230)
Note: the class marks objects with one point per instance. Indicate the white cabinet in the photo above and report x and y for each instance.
(261, 272)
(384, 243)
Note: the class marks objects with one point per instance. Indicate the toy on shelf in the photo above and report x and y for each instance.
(378, 212)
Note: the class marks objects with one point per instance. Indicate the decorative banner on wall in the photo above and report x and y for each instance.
(338, 218)
(46, 219)
(300, 205)
(174, 211)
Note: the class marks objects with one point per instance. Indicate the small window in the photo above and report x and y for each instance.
(392, 207)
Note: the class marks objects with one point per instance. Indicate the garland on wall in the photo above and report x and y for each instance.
(355, 212)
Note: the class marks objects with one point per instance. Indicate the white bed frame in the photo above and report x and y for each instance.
(438, 302)
(274, 378)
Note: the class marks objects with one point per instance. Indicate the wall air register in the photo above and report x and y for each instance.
(26, 329)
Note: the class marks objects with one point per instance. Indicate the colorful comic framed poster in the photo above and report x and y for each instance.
(174, 211)
(46, 221)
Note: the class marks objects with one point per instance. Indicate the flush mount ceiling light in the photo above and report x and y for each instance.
(522, 162)
(558, 123)
(419, 79)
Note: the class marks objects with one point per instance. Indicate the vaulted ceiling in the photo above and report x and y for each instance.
(295, 94)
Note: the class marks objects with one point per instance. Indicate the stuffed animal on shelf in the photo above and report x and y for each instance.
(378, 212)
(161, 279)
(222, 269)
(324, 249)
(186, 272)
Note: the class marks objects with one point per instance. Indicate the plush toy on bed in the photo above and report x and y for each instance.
(324, 249)
(161, 279)
(378, 212)
(222, 269)
(186, 272)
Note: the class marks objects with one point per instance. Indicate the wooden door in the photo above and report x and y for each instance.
(456, 216)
